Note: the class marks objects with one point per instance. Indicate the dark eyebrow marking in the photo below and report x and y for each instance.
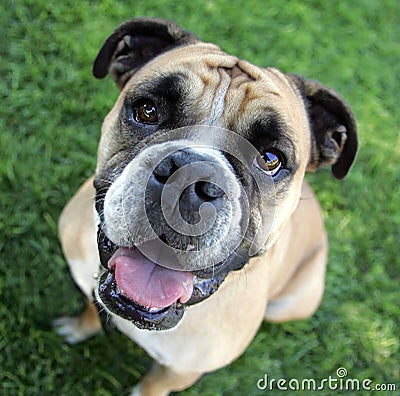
(266, 130)
(169, 86)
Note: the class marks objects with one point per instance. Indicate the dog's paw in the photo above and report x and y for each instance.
(74, 329)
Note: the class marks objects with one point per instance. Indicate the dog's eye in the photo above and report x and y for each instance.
(146, 112)
(270, 161)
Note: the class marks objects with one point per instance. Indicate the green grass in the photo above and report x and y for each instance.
(51, 114)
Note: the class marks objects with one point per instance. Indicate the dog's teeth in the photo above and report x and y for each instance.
(190, 247)
(153, 309)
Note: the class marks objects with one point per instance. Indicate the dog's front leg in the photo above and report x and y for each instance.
(79, 328)
(161, 380)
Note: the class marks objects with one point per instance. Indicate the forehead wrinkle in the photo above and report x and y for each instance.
(218, 105)
(239, 83)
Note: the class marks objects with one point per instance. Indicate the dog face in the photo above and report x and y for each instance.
(200, 166)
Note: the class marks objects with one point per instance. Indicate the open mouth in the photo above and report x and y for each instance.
(149, 295)
(144, 317)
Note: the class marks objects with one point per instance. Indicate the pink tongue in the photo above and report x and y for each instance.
(147, 283)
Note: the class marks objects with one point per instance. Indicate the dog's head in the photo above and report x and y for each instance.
(200, 165)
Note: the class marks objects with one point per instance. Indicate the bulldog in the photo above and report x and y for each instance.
(198, 223)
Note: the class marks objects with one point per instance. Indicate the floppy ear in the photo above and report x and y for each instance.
(333, 126)
(136, 42)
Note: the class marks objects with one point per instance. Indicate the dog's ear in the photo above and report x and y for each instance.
(334, 129)
(136, 42)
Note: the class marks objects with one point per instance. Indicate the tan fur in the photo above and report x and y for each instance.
(285, 283)
(77, 227)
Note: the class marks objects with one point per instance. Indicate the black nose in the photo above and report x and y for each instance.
(204, 190)
(208, 191)
(199, 189)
